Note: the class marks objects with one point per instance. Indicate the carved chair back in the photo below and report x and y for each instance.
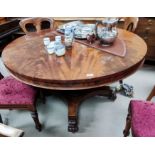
(36, 25)
(130, 23)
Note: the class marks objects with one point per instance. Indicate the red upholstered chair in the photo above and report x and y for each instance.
(141, 118)
(17, 95)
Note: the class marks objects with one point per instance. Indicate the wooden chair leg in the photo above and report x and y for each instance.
(151, 95)
(6, 119)
(1, 121)
(42, 96)
(38, 125)
(1, 76)
(126, 131)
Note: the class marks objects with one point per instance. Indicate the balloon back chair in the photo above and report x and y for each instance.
(17, 95)
(130, 23)
(37, 25)
(141, 118)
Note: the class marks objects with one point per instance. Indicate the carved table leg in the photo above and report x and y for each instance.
(126, 89)
(75, 97)
(72, 116)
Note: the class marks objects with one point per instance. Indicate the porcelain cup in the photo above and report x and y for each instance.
(46, 41)
(51, 48)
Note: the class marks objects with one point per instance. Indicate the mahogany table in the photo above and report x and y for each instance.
(82, 72)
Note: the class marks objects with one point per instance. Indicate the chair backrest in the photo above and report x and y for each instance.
(130, 23)
(36, 25)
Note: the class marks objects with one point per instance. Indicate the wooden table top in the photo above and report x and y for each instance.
(81, 67)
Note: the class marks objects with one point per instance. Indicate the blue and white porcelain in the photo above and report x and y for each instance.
(46, 41)
(81, 32)
(69, 36)
(51, 47)
(59, 48)
(107, 31)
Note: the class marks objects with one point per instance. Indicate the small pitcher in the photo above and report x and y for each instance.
(106, 31)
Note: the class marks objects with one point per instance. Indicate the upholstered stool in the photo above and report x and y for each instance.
(17, 95)
(141, 119)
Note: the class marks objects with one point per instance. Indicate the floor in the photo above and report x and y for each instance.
(98, 116)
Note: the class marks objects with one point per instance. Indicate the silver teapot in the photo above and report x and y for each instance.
(106, 31)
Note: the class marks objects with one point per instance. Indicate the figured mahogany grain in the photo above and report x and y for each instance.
(80, 68)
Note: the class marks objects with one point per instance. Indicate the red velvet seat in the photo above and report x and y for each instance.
(17, 95)
(141, 119)
(15, 92)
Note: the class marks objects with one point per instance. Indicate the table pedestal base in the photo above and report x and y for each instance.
(75, 97)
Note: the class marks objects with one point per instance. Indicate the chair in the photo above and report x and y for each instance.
(17, 95)
(36, 25)
(141, 118)
(130, 23)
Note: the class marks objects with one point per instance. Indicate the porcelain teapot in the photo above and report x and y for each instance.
(106, 31)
